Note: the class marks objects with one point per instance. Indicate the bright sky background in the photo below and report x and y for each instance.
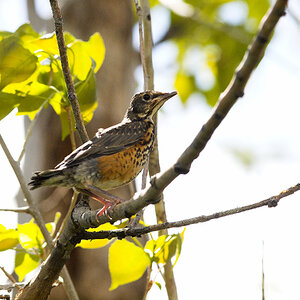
(221, 259)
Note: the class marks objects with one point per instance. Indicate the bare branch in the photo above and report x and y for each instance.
(31, 203)
(154, 165)
(67, 216)
(141, 35)
(66, 70)
(70, 122)
(10, 277)
(25, 210)
(9, 287)
(37, 215)
(121, 233)
(29, 132)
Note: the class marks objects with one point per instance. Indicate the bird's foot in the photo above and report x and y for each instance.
(108, 204)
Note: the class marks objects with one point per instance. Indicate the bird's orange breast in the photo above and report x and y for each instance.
(122, 167)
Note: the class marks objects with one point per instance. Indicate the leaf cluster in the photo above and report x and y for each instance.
(31, 76)
(28, 242)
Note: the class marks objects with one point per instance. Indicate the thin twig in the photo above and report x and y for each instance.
(28, 135)
(9, 287)
(25, 210)
(132, 232)
(31, 203)
(10, 277)
(139, 13)
(154, 165)
(58, 21)
(37, 215)
(66, 218)
(70, 122)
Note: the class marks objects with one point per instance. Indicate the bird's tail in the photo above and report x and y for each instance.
(46, 178)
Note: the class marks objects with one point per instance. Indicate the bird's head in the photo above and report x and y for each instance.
(146, 104)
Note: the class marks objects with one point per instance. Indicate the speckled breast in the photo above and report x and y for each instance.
(122, 167)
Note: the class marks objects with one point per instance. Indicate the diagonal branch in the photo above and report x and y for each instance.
(133, 232)
(33, 210)
(58, 20)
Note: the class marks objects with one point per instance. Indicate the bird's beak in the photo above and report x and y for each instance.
(167, 96)
(160, 100)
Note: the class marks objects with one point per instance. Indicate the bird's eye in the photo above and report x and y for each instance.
(146, 97)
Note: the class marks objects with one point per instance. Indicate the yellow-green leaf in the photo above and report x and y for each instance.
(25, 263)
(9, 238)
(31, 236)
(26, 33)
(79, 60)
(165, 247)
(185, 85)
(92, 244)
(96, 50)
(127, 262)
(16, 62)
(47, 43)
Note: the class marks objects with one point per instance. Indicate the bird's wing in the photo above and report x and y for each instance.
(107, 142)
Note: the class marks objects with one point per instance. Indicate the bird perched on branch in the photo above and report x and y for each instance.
(114, 157)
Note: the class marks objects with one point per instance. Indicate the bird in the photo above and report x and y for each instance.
(113, 157)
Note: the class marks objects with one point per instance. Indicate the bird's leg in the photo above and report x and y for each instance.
(108, 204)
(106, 194)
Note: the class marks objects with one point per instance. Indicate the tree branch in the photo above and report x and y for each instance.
(58, 21)
(70, 290)
(154, 165)
(133, 232)
(25, 210)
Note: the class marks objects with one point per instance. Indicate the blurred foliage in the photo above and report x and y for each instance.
(28, 242)
(31, 76)
(212, 37)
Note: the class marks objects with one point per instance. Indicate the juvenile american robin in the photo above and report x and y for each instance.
(113, 157)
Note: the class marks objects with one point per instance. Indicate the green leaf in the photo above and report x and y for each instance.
(27, 104)
(165, 247)
(26, 33)
(16, 62)
(7, 103)
(92, 244)
(25, 263)
(158, 284)
(127, 262)
(9, 238)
